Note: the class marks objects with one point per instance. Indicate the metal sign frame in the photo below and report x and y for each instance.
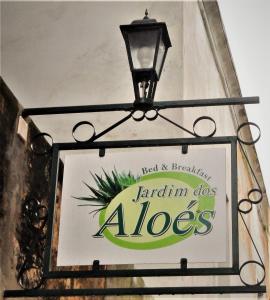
(44, 262)
(181, 271)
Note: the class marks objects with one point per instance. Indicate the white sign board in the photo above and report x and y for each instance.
(143, 207)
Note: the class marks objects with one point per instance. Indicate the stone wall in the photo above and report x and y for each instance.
(23, 174)
(14, 184)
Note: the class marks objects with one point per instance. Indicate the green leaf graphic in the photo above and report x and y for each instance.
(107, 188)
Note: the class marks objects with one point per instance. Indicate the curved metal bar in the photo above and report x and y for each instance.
(252, 262)
(255, 191)
(250, 201)
(246, 142)
(242, 210)
(37, 136)
(76, 126)
(94, 135)
(138, 115)
(204, 118)
(148, 114)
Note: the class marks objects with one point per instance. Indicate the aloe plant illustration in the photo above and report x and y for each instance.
(108, 186)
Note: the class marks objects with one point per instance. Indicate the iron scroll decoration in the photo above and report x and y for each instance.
(32, 237)
(139, 115)
(80, 124)
(40, 137)
(250, 202)
(30, 265)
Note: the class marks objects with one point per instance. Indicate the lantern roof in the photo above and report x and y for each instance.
(145, 23)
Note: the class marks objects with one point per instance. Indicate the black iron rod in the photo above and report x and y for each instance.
(76, 109)
(112, 126)
(177, 125)
(53, 187)
(135, 291)
(130, 106)
(142, 273)
(146, 143)
(234, 205)
(250, 166)
(251, 238)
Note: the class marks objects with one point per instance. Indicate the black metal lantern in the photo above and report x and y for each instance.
(147, 42)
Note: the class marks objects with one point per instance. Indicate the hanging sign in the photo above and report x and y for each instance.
(143, 206)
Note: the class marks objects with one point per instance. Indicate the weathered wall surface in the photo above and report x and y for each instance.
(12, 186)
(22, 174)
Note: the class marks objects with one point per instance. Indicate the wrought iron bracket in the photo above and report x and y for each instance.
(33, 214)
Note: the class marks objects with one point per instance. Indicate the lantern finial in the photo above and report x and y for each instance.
(146, 14)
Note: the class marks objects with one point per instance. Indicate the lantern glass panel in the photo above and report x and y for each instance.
(160, 57)
(142, 47)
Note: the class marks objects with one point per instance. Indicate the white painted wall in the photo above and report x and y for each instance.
(247, 24)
